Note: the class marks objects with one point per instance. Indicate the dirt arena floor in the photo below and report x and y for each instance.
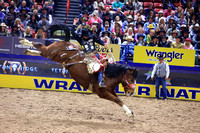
(29, 111)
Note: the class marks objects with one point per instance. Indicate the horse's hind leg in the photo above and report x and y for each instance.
(103, 93)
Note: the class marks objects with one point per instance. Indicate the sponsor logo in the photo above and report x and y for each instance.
(16, 66)
(170, 55)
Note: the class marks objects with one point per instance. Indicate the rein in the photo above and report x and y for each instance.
(71, 57)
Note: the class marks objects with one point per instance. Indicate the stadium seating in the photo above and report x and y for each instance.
(157, 1)
(158, 5)
(126, 13)
(6, 4)
(157, 10)
(146, 4)
(110, 6)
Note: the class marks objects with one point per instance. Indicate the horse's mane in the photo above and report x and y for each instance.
(114, 70)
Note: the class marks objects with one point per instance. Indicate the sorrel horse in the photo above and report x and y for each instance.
(73, 61)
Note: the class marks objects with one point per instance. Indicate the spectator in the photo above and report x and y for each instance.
(137, 5)
(32, 22)
(189, 6)
(196, 38)
(128, 47)
(129, 5)
(16, 31)
(160, 34)
(19, 25)
(3, 30)
(139, 17)
(106, 23)
(187, 44)
(93, 19)
(140, 41)
(24, 6)
(161, 25)
(98, 26)
(108, 2)
(149, 25)
(197, 54)
(35, 13)
(128, 21)
(120, 14)
(172, 38)
(172, 16)
(99, 11)
(164, 42)
(193, 30)
(106, 37)
(192, 19)
(116, 5)
(182, 19)
(174, 27)
(49, 10)
(27, 33)
(23, 18)
(151, 14)
(87, 7)
(161, 69)
(35, 7)
(98, 3)
(2, 5)
(114, 39)
(179, 12)
(150, 35)
(29, 3)
(83, 23)
(44, 22)
(178, 43)
(106, 29)
(12, 4)
(160, 15)
(150, 8)
(168, 11)
(185, 34)
(2, 15)
(107, 16)
(139, 25)
(40, 34)
(12, 12)
(94, 30)
(119, 35)
(129, 33)
(45, 13)
(140, 31)
(117, 23)
(9, 20)
(153, 42)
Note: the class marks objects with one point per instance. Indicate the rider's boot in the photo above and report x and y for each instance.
(101, 80)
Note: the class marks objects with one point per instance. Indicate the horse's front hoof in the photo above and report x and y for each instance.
(130, 114)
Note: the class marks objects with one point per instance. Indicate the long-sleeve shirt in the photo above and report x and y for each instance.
(80, 39)
(155, 69)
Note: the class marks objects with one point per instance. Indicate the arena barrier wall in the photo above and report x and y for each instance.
(38, 73)
(176, 57)
(69, 85)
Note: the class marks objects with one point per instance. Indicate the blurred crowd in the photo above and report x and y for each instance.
(25, 18)
(157, 23)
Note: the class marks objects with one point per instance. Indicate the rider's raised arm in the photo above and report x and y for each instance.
(98, 40)
(75, 35)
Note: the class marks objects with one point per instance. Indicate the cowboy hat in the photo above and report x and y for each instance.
(150, 26)
(3, 24)
(174, 32)
(160, 57)
(130, 17)
(188, 39)
(140, 35)
(95, 22)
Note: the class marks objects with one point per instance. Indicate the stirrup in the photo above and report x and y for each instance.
(101, 84)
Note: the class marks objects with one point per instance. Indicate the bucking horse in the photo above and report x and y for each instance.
(72, 57)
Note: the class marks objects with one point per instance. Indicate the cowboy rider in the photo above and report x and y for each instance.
(87, 41)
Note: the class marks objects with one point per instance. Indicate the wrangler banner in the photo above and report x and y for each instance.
(173, 56)
(69, 85)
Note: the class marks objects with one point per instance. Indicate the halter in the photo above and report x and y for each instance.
(128, 84)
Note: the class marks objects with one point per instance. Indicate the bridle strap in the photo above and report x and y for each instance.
(126, 86)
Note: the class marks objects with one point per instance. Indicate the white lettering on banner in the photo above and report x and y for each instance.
(144, 90)
(7, 50)
(22, 46)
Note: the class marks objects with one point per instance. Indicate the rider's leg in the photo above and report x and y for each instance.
(100, 75)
